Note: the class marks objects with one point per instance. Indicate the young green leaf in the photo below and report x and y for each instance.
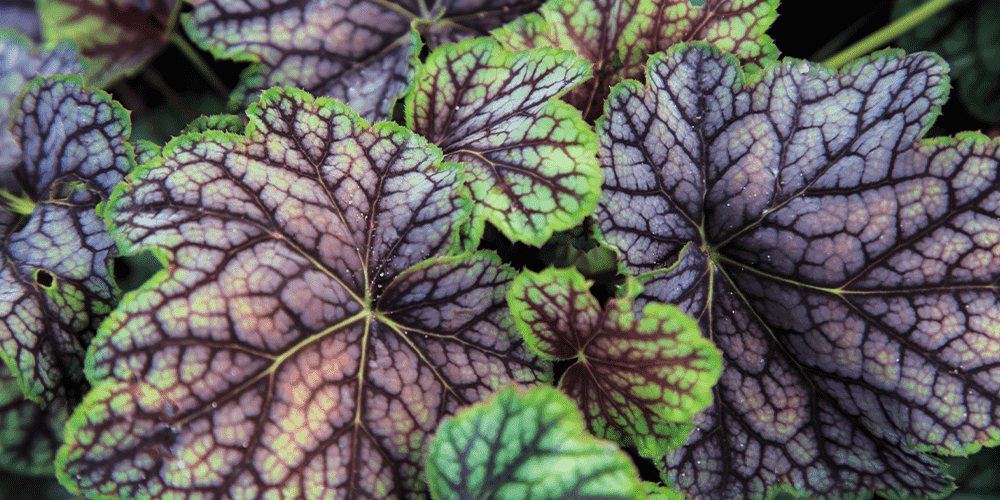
(530, 158)
(618, 36)
(357, 51)
(116, 36)
(25, 63)
(55, 269)
(643, 376)
(310, 328)
(526, 445)
(29, 434)
(845, 269)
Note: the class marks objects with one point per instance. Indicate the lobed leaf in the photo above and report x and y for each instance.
(643, 375)
(310, 328)
(55, 269)
(530, 159)
(357, 51)
(617, 36)
(844, 268)
(116, 36)
(529, 444)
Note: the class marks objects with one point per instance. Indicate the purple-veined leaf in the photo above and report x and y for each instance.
(310, 328)
(530, 158)
(618, 36)
(54, 272)
(116, 36)
(360, 52)
(29, 434)
(527, 445)
(637, 375)
(21, 62)
(845, 268)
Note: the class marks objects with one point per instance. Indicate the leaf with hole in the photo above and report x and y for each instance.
(360, 52)
(530, 158)
(618, 36)
(845, 268)
(311, 326)
(55, 268)
(639, 375)
(526, 445)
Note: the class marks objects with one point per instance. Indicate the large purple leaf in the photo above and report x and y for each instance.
(846, 270)
(310, 327)
(357, 51)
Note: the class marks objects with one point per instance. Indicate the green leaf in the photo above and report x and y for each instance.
(360, 52)
(618, 36)
(29, 434)
(310, 328)
(530, 158)
(116, 36)
(643, 375)
(845, 268)
(55, 269)
(26, 61)
(967, 36)
(526, 444)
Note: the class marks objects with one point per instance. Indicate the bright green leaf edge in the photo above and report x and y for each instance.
(621, 312)
(534, 408)
(583, 155)
(122, 116)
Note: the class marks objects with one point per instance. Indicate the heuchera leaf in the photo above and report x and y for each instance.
(116, 36)
(310, 328)
(55, 269)
(846, 270)
(641, 376)
(968, 38)
(618, 36)
(29, 434)
(25, 63)
(357, 51)
(530, 158)
(526, 445)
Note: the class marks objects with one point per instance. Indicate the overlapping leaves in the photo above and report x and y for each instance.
(617, 36)
(29, 434)
(357, 51)
(24, 62)
(310, 328)
(638, 376)
(116, 36)
(526, 446)
(530, 158)
(55, 268)
(846, 270)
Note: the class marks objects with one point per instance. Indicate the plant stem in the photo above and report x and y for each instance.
(887, 34)
(174, 15)
(203, 68)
